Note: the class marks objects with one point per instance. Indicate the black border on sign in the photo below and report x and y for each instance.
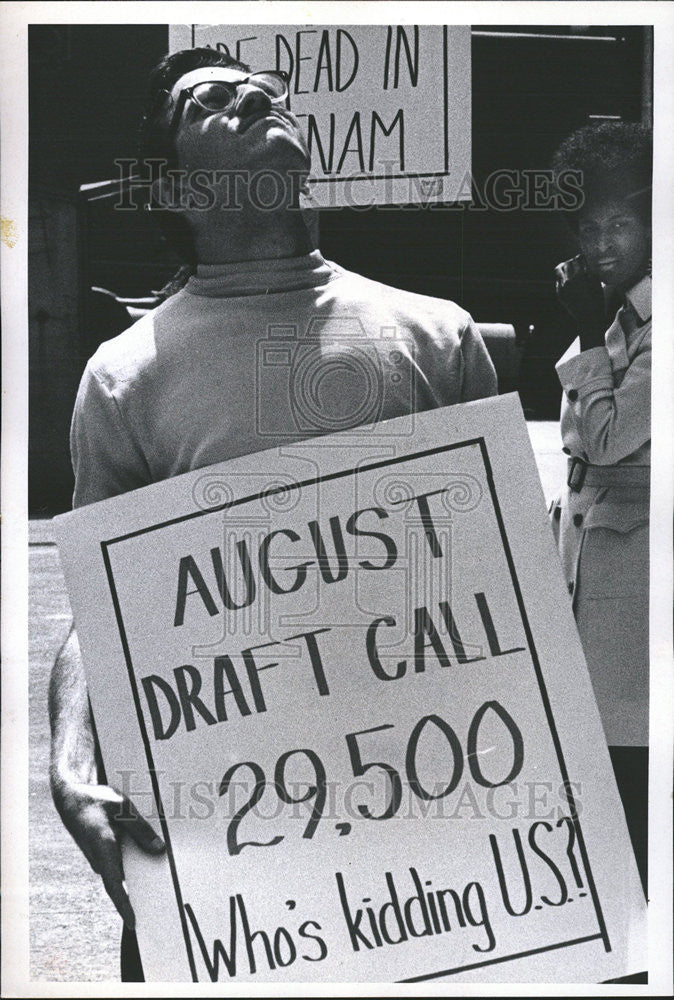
(480, 442)
(445, 121)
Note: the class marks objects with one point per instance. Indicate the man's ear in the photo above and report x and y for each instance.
(166, 193)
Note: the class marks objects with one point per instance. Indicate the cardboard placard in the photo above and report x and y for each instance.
(386, 108)
(346, 684)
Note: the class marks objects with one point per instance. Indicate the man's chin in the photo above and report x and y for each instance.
(280, 150)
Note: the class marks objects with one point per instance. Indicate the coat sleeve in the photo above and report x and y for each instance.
(106, 459)
(612, 421)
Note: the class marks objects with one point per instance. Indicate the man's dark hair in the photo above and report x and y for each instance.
(614, 161)
(155, 143)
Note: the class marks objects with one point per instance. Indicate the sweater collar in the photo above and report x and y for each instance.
(261, 277)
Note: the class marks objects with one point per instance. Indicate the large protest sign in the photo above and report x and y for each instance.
(386, 108)
(345, 683)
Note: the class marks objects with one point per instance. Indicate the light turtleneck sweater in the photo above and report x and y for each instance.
(258, 354)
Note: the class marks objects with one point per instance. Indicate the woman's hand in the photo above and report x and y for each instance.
(582, 296)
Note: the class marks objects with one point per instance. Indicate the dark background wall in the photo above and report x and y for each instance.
(530, 87)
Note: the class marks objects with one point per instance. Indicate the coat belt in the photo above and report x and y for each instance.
(583, 474)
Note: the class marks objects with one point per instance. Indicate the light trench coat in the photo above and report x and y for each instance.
(600, 519)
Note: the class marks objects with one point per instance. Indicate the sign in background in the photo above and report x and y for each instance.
(350, 692)
(386, 108)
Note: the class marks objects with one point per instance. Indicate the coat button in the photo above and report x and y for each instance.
(570, 586)
(578, 520)
(573, 395)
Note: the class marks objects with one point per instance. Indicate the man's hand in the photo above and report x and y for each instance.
(96, 815)
(582, 296)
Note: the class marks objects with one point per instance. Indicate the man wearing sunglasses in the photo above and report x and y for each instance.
(267, 343)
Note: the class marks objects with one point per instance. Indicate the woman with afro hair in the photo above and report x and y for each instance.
(601, 516)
